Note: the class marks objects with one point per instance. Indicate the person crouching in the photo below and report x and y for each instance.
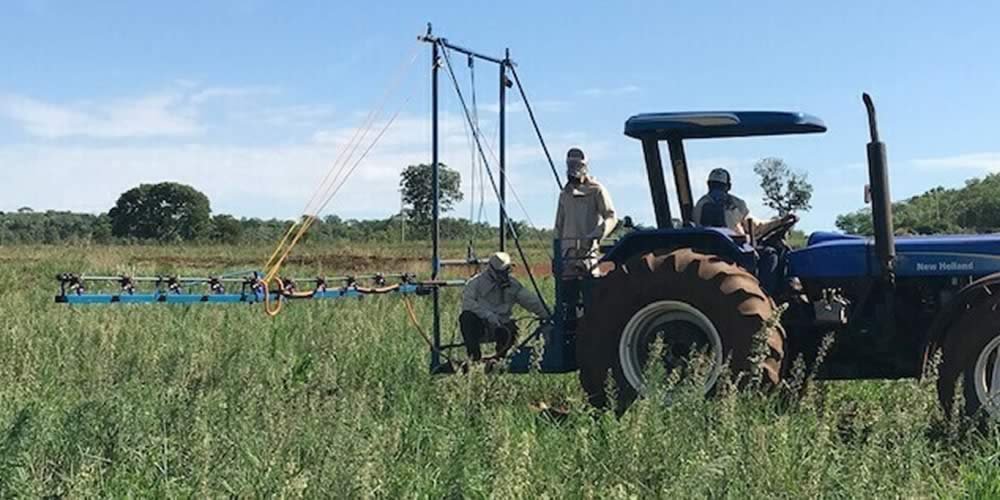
(487, 302)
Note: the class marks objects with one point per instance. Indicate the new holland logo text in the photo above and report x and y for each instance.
(946, 266)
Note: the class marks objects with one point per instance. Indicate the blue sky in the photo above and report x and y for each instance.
(250, 101)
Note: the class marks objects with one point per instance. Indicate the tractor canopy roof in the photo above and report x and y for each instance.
(709, 124)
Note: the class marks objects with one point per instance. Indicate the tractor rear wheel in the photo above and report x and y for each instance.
(971, 353)
(688, 301)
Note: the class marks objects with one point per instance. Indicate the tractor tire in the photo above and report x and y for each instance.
(693, 288)
(971, 353)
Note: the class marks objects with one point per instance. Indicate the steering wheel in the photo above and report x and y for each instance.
(776, 235)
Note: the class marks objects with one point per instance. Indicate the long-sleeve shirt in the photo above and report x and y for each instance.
(585, 215)
(490, 300)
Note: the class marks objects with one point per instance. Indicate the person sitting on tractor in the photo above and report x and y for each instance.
(487, 302)
(585, 215)
(720, 208)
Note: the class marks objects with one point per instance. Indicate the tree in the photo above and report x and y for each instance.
(978, 205)
(166, 211)
(974, 208)
(858, 222)
(100, 231)
(784, 190)
(415, 185)
(226, 228)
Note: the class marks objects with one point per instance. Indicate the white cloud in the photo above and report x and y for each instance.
(212, 93)
(259, 180)
(174, 112)
(163, 114)
(612, 91)
(984, 162)
(266, 178)
(297, 115)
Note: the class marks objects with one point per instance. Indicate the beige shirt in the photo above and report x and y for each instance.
(485, 298)
(585, 216)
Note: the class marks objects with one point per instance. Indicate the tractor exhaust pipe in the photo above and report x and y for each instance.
(878, 173)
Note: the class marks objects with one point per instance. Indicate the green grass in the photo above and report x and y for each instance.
(334, 400)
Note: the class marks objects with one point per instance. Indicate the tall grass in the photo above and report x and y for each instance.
(334, 400)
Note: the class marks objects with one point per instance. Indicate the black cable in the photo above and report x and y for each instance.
(534, 123)
(496, 190)
(474, 159)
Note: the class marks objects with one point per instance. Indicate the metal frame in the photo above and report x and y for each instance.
(658, 184)
(248, 296)
(190, 290)
(437, 43)
(179, 290)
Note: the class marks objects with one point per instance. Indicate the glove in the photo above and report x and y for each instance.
(492, 318)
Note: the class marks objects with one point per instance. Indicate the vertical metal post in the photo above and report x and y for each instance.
(657, 186)
(678, 162)
(436, 212)
(503, 150)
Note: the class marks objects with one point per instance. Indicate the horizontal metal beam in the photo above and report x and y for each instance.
(251, 297)
(457, 48)
(188, 279)
(224, 298)
(477, 55)
(463, 262)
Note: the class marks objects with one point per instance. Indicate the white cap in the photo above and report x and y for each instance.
(500, 262)
(719, 175)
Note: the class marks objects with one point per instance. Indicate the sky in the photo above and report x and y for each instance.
(252, 101)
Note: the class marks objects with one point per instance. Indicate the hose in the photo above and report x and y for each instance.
(416, 325)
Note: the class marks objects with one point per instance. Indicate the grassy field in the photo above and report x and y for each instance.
(334, 400)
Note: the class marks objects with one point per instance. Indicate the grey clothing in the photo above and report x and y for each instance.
(493, 302)
(738, 218)
(734, 215)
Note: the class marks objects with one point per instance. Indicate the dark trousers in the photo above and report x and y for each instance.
(475, 330)
(570, 296)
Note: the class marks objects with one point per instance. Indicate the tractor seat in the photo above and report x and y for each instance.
(825, 236)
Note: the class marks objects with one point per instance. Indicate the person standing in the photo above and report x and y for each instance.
(585, 215)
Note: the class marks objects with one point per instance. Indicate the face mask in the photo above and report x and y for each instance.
(501, 277)
(576, 170)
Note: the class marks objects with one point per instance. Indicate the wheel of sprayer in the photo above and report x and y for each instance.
(692, 304)
(971, 353)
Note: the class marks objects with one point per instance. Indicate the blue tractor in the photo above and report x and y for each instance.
(888, 303)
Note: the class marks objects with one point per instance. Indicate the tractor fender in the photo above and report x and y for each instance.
(967, 297)
(719, 242)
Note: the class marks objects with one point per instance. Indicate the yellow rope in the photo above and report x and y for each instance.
(333, 180)
(270, 260)
(416, 325)
(310, 219)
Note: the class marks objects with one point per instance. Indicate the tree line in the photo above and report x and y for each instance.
(61, 227)
(170, 212)
(972, 208)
